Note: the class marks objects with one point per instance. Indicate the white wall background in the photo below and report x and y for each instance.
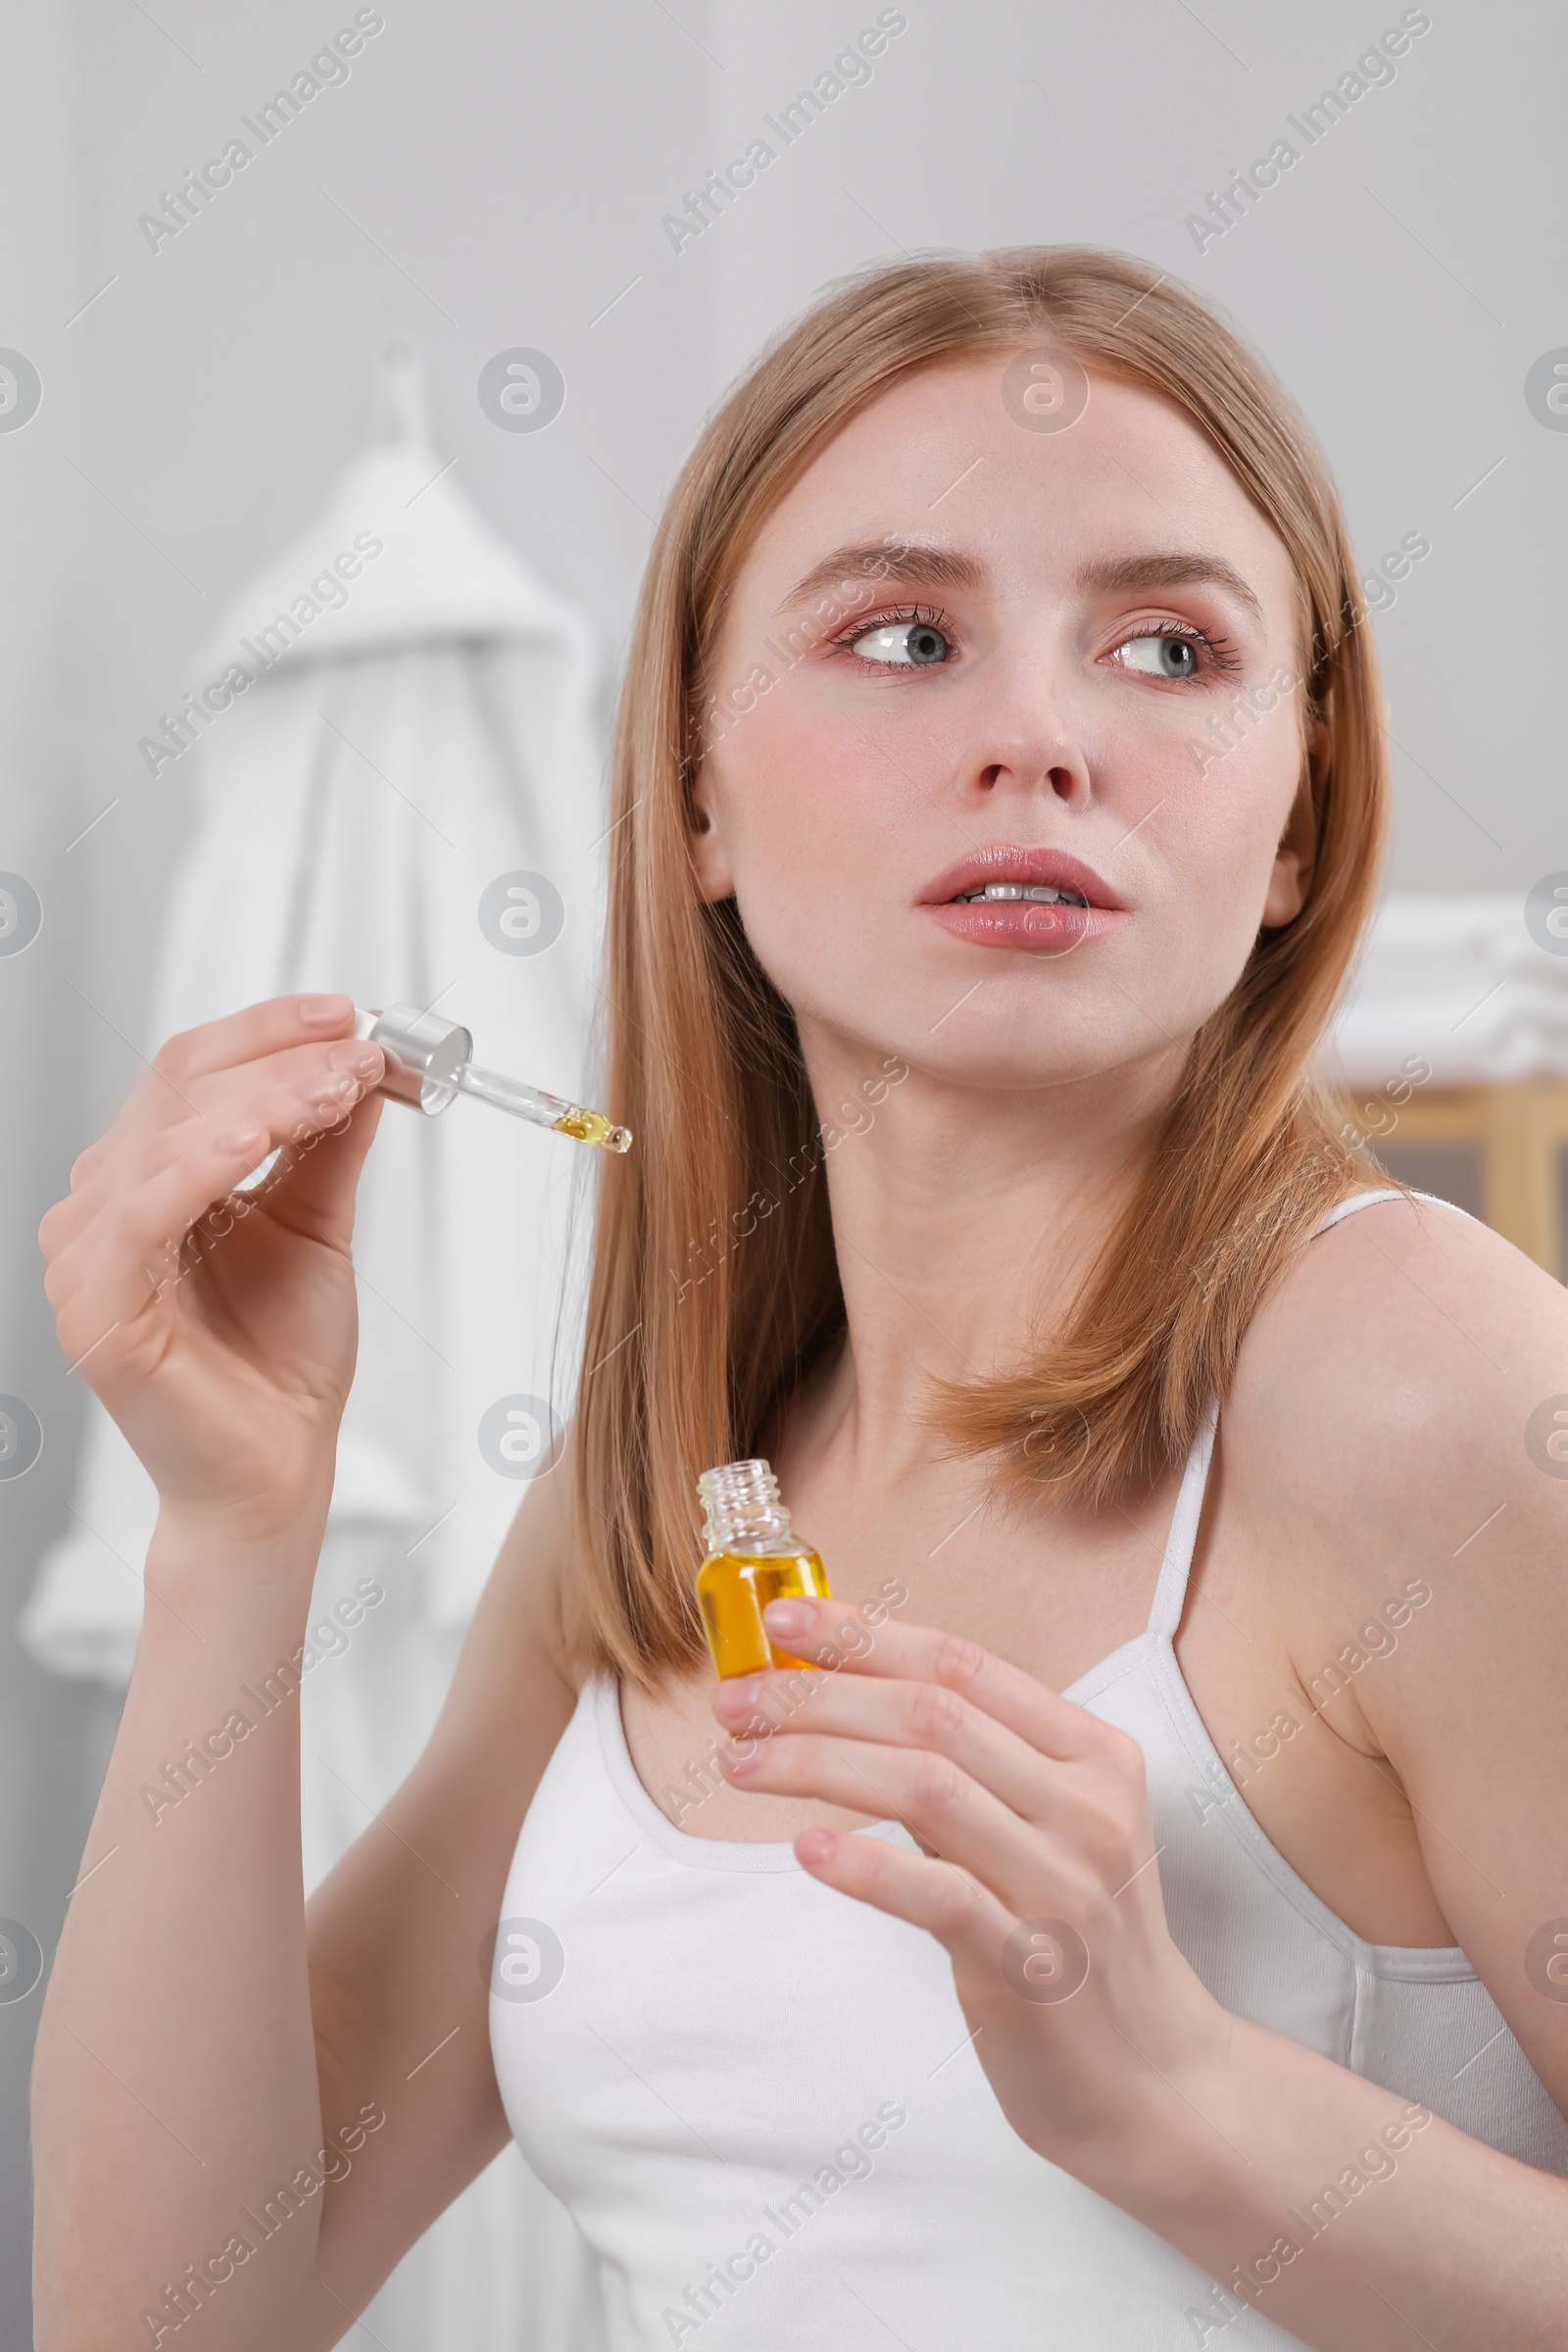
(494, 175)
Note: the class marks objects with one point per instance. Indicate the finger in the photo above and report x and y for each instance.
(293, 1092)
(965, 1918)
(282, 1086)
(155, 1181)
(840, 1633)
(107, 1274)
(914, 1715)
(316, 1193)
(299, 1104)
(928, 1795)
(250, 1034)
(103, 1277)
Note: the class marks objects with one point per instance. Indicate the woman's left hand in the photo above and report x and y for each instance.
(1038, 1874)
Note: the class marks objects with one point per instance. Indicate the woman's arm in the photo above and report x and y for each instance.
(1344, 2213)
(176, 2035)
(245, 2104)
(1408, 1386)
(1404, 1401)
(1106, 2054)
(190, 2156)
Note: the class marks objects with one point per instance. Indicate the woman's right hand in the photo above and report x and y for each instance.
(220, 1336)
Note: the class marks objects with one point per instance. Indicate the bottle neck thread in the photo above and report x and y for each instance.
(742, 1509)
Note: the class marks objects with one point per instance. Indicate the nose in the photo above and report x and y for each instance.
(1024, 744)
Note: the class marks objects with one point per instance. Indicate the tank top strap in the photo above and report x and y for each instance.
(1174, 1569)
(1171, 1593)
(1355, 1201)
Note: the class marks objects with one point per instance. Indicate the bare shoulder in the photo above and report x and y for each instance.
(1396, 1447)
(1406, 1353)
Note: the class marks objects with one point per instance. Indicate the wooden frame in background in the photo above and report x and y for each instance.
(1520, 1132)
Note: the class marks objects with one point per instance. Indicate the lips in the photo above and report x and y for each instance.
(1038, 867)
(1046, 901)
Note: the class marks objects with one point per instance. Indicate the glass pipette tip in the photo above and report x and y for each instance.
(544, 1111)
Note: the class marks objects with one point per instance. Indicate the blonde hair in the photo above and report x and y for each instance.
(705, 1308)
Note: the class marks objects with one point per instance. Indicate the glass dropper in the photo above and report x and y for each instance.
(545, 1110)
(430, 1063)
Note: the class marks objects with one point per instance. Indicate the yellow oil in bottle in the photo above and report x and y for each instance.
(754, 1557)
(734, 1587)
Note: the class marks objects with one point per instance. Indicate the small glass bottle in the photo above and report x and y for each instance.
(754, 1557)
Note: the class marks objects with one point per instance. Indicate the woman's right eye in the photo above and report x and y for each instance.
(909, 643)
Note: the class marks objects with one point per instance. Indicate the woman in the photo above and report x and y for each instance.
(969, 1962)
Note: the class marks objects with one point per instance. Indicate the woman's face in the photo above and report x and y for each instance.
(964, 653)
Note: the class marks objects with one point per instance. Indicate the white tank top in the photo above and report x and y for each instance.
(757, 2096)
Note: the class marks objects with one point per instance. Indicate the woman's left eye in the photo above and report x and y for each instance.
(1161, 653)
(912, 643)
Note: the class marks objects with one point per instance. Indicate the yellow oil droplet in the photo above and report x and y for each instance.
(592, 1127)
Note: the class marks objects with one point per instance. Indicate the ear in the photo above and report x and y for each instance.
(705, 843)
(1297, 854)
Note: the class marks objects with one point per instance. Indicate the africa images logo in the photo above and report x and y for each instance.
(328, 69)
(1229, 204)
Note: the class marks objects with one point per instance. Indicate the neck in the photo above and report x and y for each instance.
(965, 1219)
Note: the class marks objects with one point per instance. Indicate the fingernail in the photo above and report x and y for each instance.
(786, 1617)
(321, 1011)
(242, 1139)
(738, 1690)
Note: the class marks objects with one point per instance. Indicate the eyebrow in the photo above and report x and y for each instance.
(1166, 568)
(950, 567)
(891, 560)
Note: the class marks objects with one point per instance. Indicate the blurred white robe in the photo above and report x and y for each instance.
(428, 733)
